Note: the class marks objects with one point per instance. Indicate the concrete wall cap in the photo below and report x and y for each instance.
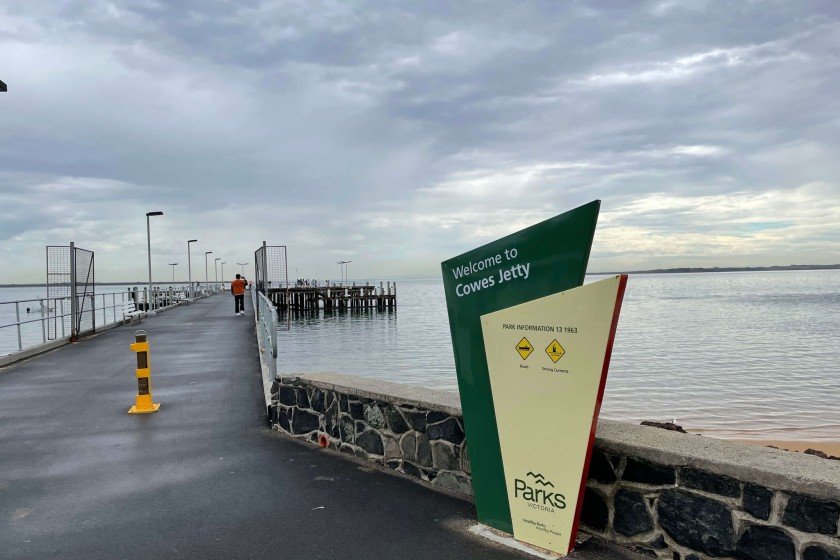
(774, 468)
(395, 393)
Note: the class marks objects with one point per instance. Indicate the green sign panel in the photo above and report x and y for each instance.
(538, 261)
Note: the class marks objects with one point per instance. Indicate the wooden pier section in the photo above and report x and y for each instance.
(335, 297)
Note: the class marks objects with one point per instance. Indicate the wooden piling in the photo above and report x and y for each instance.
(354, 297)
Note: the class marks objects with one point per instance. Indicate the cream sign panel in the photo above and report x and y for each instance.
(547, 361)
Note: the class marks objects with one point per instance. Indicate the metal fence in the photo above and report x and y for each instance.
(84, 293)
(39, 320)
(59, 281)
(70, 276)
(271, 267)
(32, 321)
(272, 272)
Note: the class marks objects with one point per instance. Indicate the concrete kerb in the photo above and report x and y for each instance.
(33, 351)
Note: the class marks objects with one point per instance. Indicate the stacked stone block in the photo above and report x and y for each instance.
(666, 511)
(682, 513)
(415, 440)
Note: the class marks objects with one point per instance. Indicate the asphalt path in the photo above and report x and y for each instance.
(204, 477)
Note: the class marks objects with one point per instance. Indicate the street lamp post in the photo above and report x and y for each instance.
(189, 268)
(216, 270)
(149, 309)
(206, 277)
(173, 265)
(223, 263)
(243, 267)
(343, 265)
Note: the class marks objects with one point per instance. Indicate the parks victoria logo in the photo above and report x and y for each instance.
(539, 492)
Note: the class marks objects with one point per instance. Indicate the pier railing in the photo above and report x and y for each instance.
(25, 323)
(266, 317)
(38, 320)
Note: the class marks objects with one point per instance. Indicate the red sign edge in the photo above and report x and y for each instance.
(622, 284)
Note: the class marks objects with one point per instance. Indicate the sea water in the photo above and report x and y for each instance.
(736, 354)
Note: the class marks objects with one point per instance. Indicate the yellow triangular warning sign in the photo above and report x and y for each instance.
(524, 348)
(554, 351)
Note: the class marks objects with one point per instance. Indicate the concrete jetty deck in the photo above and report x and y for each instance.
(203, 477)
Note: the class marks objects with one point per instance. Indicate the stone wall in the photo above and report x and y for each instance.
(408, 435)
(669, 495)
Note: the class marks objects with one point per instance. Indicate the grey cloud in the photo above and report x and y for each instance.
(389, 126)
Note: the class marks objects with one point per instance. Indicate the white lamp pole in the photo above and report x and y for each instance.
(223, 263)
(190, 293)
(216, 269)
(149, 309)
(206, 277)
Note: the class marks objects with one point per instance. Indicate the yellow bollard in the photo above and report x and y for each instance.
(143, 403)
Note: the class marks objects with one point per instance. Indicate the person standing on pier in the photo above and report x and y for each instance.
(237, 288)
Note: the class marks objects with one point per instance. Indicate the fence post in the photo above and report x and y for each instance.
(43, 325)
(264, 267)
(17, 314)
(74, 330)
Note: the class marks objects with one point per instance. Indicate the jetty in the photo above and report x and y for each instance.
(202, 478)
(334, 297)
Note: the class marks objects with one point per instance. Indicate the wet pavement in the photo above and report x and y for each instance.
(204, 477)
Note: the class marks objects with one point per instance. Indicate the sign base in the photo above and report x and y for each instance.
(135, 410)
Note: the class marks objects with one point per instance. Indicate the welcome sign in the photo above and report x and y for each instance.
(531, 356)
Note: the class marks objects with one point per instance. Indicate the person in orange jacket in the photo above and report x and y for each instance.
(237, 288)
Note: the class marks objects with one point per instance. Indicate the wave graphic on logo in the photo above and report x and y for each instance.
(540, 479)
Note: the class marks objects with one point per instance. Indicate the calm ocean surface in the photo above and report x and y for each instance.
(738, 355)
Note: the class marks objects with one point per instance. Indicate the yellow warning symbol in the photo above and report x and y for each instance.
(524, 348)
(554, 351)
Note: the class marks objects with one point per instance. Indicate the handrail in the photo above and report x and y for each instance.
(266, 318)
(100, 310)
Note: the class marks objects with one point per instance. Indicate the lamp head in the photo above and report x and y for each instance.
(192, 241)
(158, 213)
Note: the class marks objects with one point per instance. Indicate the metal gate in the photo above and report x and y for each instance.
(70, 290)
(271, 272)
(271, 267)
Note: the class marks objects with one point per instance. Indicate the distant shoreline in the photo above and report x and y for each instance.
(138, 284)
(682, 270)
(686, 270)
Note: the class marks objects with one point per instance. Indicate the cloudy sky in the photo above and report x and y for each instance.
(397, 135)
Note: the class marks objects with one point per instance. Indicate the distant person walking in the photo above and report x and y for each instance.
(237, 288)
